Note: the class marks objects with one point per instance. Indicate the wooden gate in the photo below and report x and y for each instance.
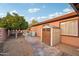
(46, 35)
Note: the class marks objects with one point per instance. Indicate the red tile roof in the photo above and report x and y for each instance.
(69, 15)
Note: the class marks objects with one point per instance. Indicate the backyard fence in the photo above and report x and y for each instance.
(3, 35)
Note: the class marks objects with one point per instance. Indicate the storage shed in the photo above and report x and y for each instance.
(50, 35)
(69, 28)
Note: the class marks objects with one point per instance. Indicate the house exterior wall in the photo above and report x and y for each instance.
(70, 40)
(73, 41)
(37, 29)
(55, 23)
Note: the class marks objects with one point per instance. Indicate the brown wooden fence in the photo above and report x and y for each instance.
(3, 34)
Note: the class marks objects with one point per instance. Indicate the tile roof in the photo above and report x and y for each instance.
(69, 15)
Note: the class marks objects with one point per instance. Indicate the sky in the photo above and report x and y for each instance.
(37, 11)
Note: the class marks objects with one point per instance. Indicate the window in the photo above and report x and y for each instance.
(69, 28)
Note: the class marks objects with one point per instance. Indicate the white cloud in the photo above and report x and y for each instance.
(64, 11)
(29, 19)
(33, 10)
(32, 18)
(56, 14)
(53, 15)
(41, 17)
(13, 11)
(68, 10)
(2, 15)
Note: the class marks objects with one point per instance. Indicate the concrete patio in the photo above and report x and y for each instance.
(28, 46)
(41, 49)
(17, 47)
(32, 46)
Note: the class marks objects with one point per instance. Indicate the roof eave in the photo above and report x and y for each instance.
(69, 15)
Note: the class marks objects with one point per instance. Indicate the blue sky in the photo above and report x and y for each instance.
(38, 11)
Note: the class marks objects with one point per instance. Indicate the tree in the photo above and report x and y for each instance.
(2, 23)
(33, 22)
(14, 22)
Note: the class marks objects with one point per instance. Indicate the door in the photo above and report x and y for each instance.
(56, 36)
(46, 35)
